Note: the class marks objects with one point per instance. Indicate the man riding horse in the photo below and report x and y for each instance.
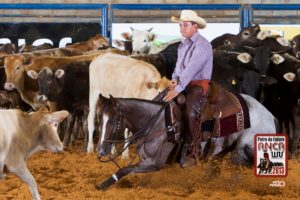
(191, 77)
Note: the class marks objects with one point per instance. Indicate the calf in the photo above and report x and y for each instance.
(22, 135)
(68, 86)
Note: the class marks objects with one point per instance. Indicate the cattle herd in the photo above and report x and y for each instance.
(40, 86)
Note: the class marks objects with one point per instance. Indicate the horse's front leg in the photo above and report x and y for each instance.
(123, 172)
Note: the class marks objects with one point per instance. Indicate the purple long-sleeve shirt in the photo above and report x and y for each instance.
(194, 62)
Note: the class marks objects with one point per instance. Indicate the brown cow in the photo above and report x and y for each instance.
(94, 43)
(22, 135)
(16, 67)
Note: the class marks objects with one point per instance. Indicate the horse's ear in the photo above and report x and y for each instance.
(101, 98)
(112, 100)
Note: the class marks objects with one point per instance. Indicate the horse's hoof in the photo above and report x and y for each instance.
(102, 186)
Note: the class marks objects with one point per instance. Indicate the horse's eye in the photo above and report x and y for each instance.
(145, 40)
(114, 122)
(246, 33)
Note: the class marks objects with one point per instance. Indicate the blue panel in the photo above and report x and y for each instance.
(276, 6)
(175, 6)
(52, 6)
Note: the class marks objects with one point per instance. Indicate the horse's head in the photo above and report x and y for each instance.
(110, 123)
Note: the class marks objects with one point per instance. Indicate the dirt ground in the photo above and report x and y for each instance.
(73, 175)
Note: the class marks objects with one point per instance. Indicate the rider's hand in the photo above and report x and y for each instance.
(170, 95)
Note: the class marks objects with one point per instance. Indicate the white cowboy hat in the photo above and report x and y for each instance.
(190, 16)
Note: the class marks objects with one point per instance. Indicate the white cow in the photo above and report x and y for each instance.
(120, 76)
(145, 42)
(21, 135)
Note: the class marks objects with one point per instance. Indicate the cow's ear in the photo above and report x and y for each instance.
(132, 29)
(126, 36)
(257, 28)
(283, 41)
(244, 57)
(21, 48)
(59, 73)
(290, 77)
(58, 116)
(149, 30)
(32, 74)
(118, 43)
(152, 36)
(263, 34)
(28, 60)
(277, 59)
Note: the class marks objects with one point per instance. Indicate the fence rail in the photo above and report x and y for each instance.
(103, 7)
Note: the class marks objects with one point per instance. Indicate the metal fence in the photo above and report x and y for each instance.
(103, 7)
(246, 11)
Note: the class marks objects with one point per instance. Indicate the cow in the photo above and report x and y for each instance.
(29, 48)
(94, 43)
(120, 76)
(16, 67)
(246, 37)
(275, 43)
(143, 42)
(125, 44)
(68, 86)
(23, 134)
(295, 43)
(282, 98)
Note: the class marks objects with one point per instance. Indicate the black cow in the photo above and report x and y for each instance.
(295, 43)
(276, 44)
(282, 98)
(235, 72)
(68, 86)
(246, 37)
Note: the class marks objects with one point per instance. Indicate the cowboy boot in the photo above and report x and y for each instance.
(195, 102)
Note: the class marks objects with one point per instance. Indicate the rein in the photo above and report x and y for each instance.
(137, 135)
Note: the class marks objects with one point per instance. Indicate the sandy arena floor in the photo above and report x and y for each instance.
(73, 175)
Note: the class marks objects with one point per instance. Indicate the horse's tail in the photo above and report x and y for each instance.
(276, 124)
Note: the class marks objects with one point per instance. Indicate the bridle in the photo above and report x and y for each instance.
(142, 132)
(117, 128)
